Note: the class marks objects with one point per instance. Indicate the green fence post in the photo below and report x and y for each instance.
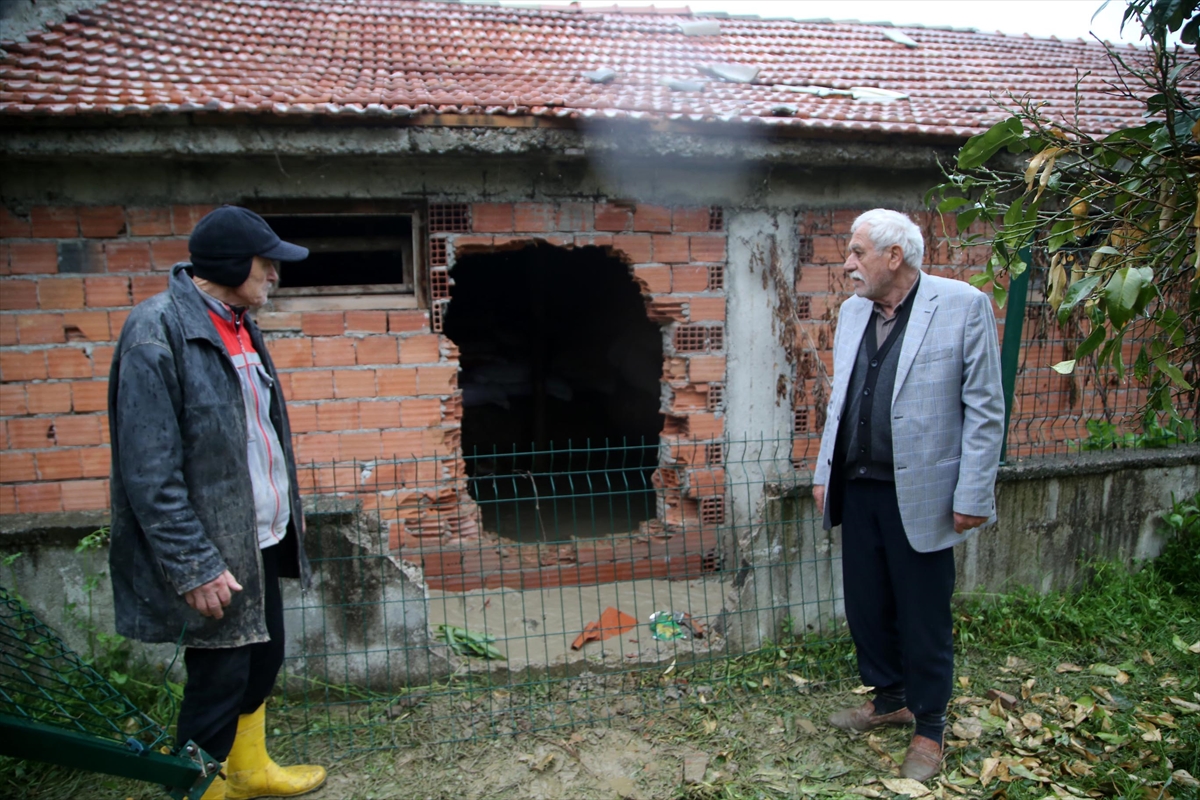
(1010, 352)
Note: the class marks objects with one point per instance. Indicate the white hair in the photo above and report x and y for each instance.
(889, 227)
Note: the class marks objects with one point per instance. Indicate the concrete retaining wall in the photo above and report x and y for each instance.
(366, 619)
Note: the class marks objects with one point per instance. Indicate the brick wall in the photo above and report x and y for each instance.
(68, 277)
(362, 386)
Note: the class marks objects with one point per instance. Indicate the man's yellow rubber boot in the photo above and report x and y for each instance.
(250, 772)
(215, 790)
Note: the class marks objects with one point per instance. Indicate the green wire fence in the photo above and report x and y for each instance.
(520, 591)
(1092, 407)
(55, 708)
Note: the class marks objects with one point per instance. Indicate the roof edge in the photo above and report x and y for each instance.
(602, 141)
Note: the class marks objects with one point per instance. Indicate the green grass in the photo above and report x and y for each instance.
(1098, 673)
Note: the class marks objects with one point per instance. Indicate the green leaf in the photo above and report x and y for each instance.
(979, 280)
(1076, 292)
(951, 203)
(1000, 294)
(1173, 372)
(980, 148)
(1094, 340)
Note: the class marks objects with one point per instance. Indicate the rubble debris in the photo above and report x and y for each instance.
(612, 623)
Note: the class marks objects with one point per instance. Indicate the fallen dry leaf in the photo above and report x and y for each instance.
(1032, 721)
(1184, 778)
(875, 744)
(544, 762)
(864, 791)
(906, 786)
(987, 770)
(710, 725)
(1194, 647)
(964, 681)
(1122, 677)
(862, 690)
(1068, 667)
(1152, 735)
(1102, 693)
(1149, 659)
(969, 728)
(1188, 706)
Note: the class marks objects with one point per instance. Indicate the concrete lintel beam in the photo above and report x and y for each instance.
(195, 142)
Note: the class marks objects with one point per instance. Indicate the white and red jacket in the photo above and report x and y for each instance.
(264, 454)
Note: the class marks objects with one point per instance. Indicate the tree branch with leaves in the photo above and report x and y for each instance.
(1114, 212)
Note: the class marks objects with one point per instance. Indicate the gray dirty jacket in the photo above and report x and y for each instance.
(182, 499)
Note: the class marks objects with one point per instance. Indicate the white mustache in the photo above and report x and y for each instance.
(855, 276)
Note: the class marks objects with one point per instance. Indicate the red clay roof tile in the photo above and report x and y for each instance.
(404, 57)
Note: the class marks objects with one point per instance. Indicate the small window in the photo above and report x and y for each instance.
(359, 257)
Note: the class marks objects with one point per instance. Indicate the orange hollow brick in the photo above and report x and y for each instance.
(54, 222)
(149, 221)
(128, 256)
(18, 295)
(671, 249)
(59, 465)
(60, 293)
(634, 248)
(492, 217)
(332, 351)
(101, 222)
(17, 366)
(40, 329)
(354, 383)
(68, 362)
(17, 467)
(33, 258)
(37, 498)
(85, 495)
(87, 326)
(48, 398)
(12, 402)
(88, 396)
(655, 219)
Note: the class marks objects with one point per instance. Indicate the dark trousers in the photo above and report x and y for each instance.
(897, 600)
(223, 683)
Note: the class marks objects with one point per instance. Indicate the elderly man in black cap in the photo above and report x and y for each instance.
(205, 510)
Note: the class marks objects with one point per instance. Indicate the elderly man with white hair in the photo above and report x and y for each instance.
(907, 467)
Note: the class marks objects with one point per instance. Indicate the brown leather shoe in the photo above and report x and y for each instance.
(923, 759)
(864, 718)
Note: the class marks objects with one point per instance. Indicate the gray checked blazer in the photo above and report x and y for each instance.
(947, 409)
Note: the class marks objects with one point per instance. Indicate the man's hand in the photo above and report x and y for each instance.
(962, 522)
(819, 499)
(213, 596)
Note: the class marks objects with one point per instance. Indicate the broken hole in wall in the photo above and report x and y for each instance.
(560, 371)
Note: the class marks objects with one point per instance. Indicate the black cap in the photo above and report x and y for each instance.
(224, 244)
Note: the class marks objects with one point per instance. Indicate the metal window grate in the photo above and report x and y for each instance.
(437, 252)
(716, 277)
(449, 218)
(716, 219)
(439, 284)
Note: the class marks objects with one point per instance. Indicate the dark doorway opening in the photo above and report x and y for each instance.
(561, 377)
